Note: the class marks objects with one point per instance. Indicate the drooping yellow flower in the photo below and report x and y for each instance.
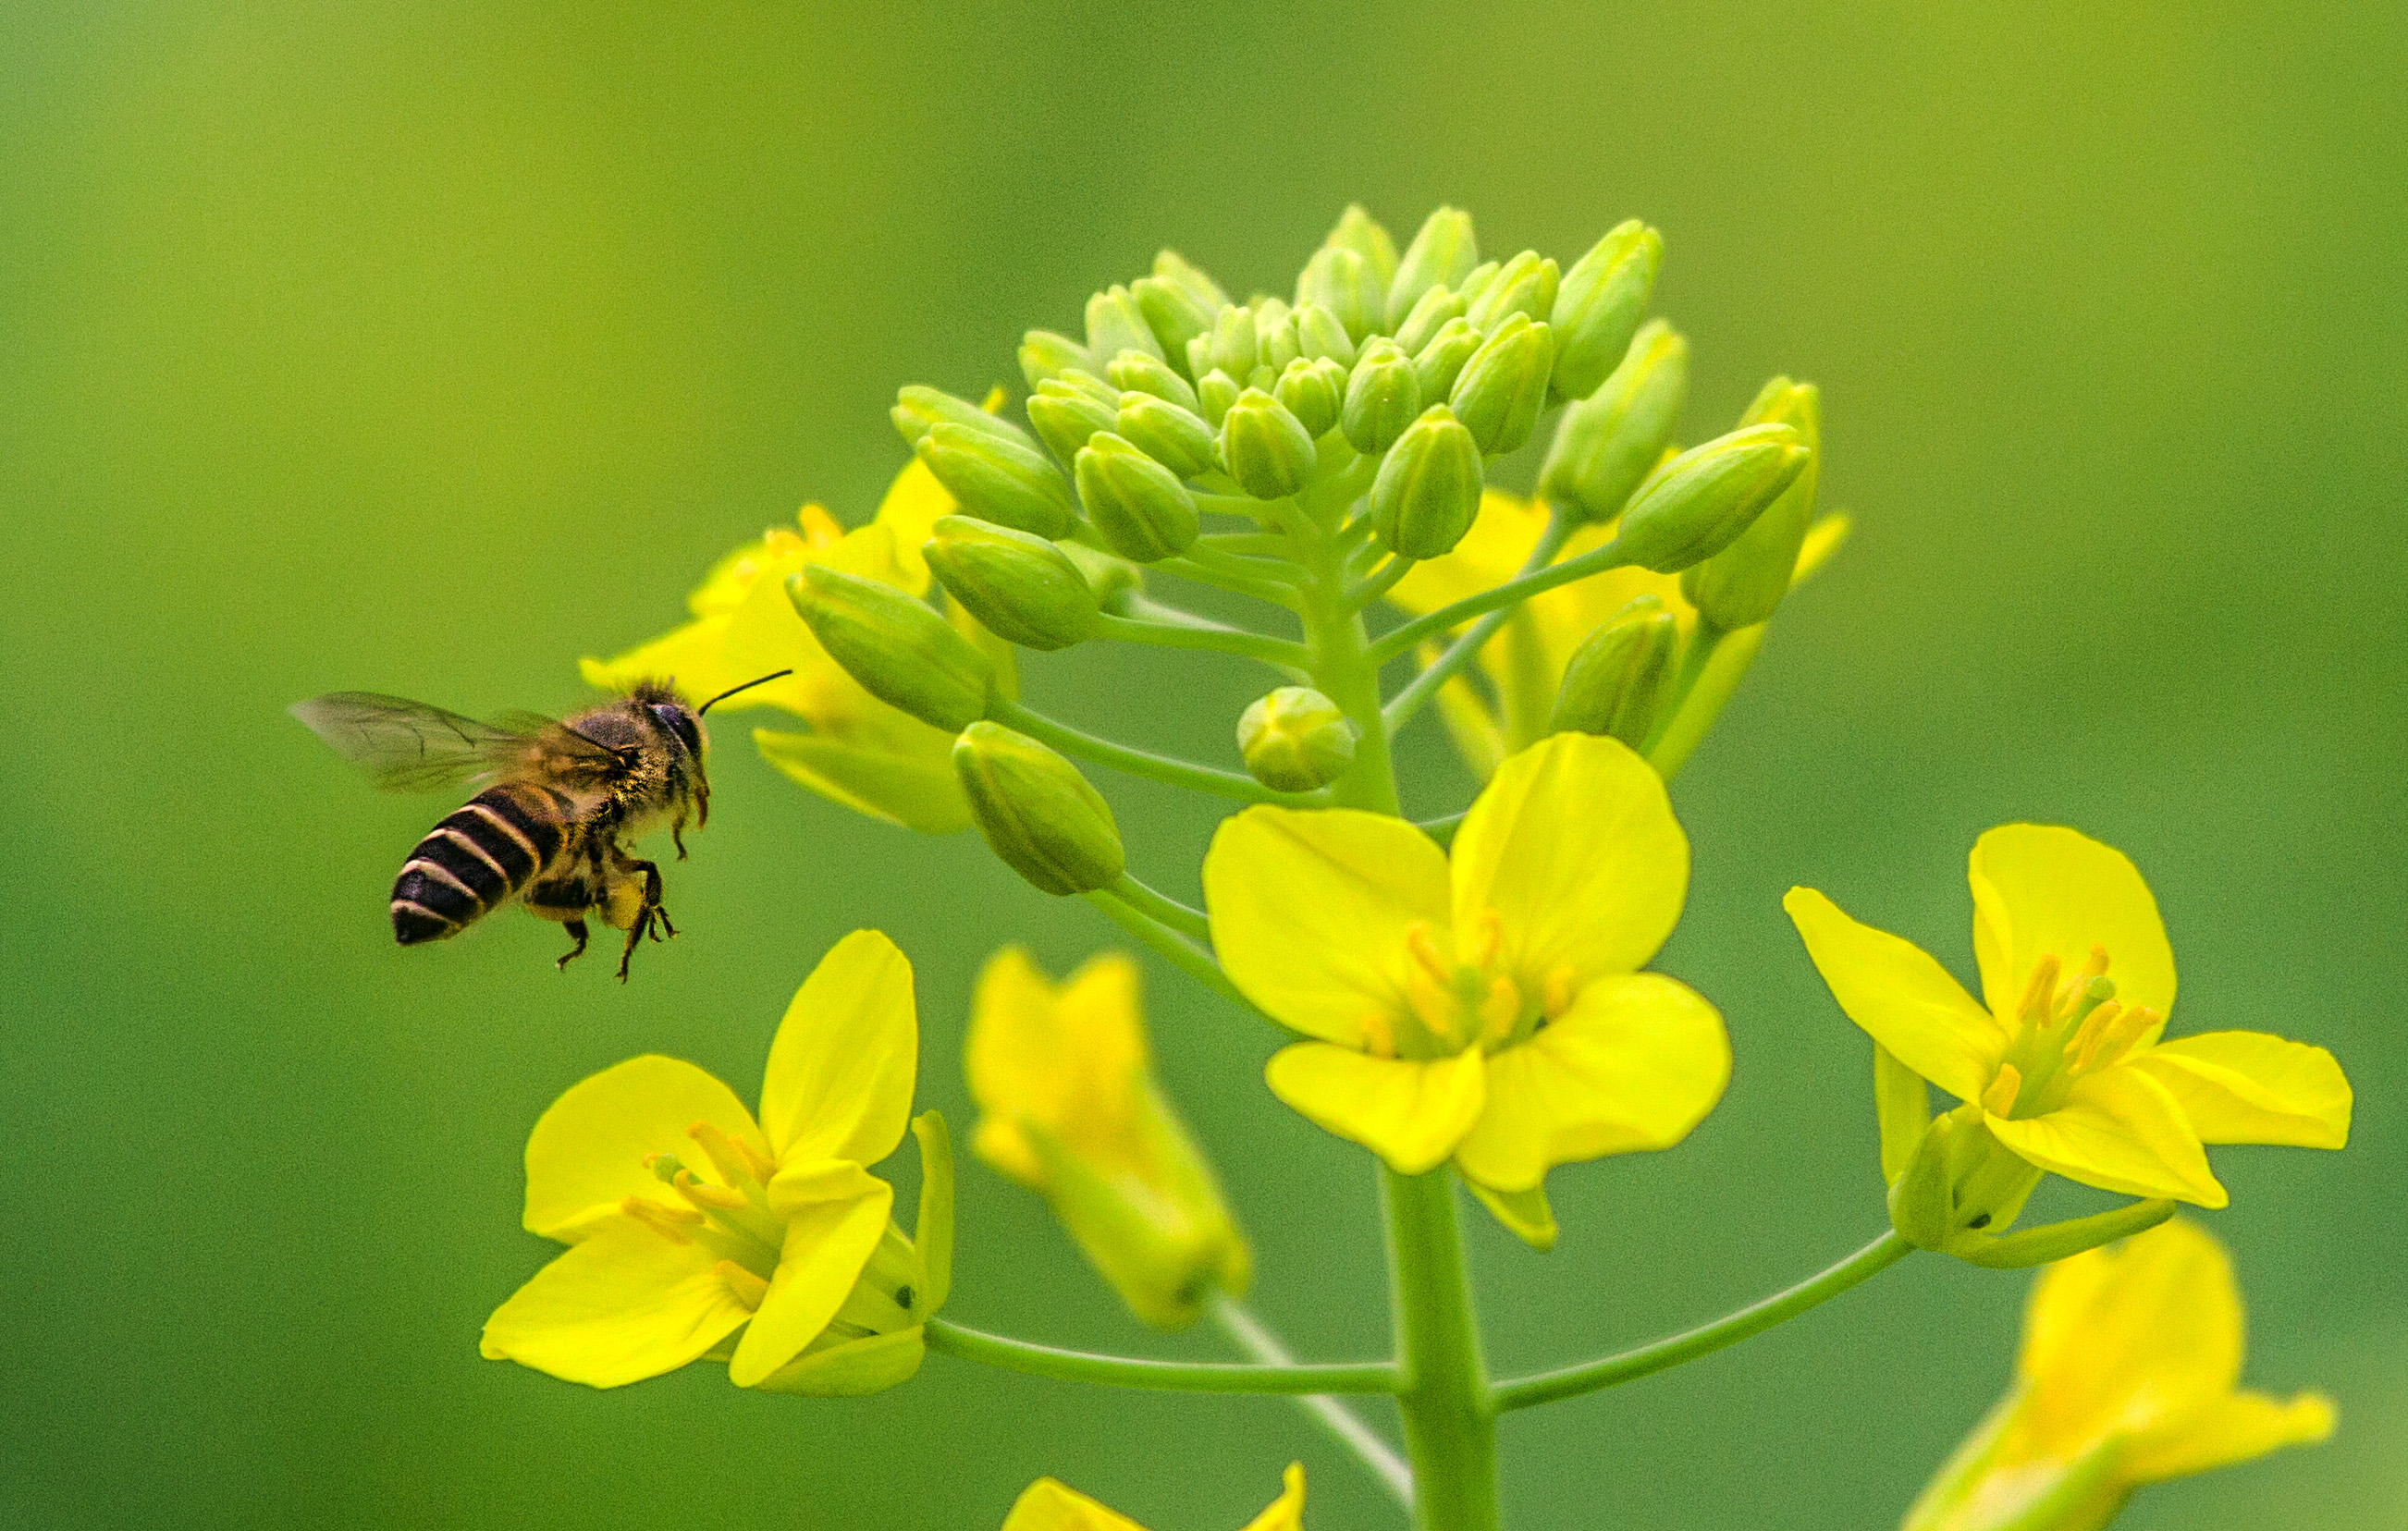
(1048, 1504)
(1525, 661)
(1070, 1110)
(2130, 1354)
(2066, 1061)
(773, 1250)
(1484, 1005)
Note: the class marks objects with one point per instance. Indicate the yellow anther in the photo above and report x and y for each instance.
(1999, 1098)
(2119, 1038)
(1499, 1011)
(1487, 939)
(671, 1223)
(708, 1197)
(1378, 1036)
(742, 1284)
(1556, 996)
(737, 1163)
(1422, 943)
(2041, 990)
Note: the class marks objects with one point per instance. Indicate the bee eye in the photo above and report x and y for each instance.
(678, 721)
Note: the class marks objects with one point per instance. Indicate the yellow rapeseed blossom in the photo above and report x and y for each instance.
(2130, 1354)
(1484, 1005)
(2066, 1062)
(1047, 1505)
(1070, 1109)
(774, 1249)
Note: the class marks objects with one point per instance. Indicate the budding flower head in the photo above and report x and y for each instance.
(1135, 372)
(1699, 503)
(1215, 391)
(1429, 315)
(1139, 507)
(1312, 392)
(1114, 325)
(901, 652)
(1438, 365)
(1264, 447)
(1296, 740)
(1234, 346)
(919, 409)
(1443, 251)
(1358, 231)
(1066, 417)
(1427, 492)
(1617, 681)
(1045, 354)
(1177, 302)
(1176, 437)
(1341, 280)
(1597, 308)
(1502, 388)
(1021, 588)
(1609, 442)
(1319, 334)
(1740, 586)
(1525, 285)
(1384, 396)
(1037, 812)
(999, 480)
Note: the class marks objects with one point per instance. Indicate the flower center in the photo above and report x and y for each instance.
(2065, 1028)
(729, 1216)
(1459, 994)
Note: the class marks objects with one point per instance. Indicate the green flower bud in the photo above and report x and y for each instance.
(1264, 447)
(1341, 280)
(1359, 232)
(1276, 340)
(1112, 578)
(1215, 391)
(1262, 377)
(1022, 589)
(1618, 678)
(1437, 364)
(1427, 492)
(1296, 739)
(1173, 313)
(1695, 504)
(1234, 346)
(1038, 815)
(902, 652)
(1045, 354)
(1597, 306)
(1175, 268)
(1499, 393)
(919, 409)
(1739, 586)
(1064, 419)
(1114, 325)
(1383, 397)
(1609, 442)
(1523, 285)
(1005, 482)
(1177, 438)
(1080, 381)
(1444, 252)
(1310, 395)
(1476, 281)
(1319, 334)
(1139, 507)
(1437, 306)
(1135, 372)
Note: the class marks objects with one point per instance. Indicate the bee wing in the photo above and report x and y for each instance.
(560, 752)
(407, 746)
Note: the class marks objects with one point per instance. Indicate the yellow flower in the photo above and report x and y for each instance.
(2065, 1063)
(1049, 1506)
(774, 1251)
(1071, 1110)
(2129, 1358)
(1525, 661)
(859, 751)
(1484, 1005)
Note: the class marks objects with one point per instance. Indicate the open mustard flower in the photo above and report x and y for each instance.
(2130, 1354)
(1070, 1107)
(2065, 1060)
(1048, 1504)
(696, 1230)
(1484, 1005)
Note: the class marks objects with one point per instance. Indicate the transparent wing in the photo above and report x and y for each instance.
(407, 746)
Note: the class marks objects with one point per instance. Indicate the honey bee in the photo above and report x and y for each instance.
(565, 801)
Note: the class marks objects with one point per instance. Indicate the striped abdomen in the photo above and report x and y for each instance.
(474, 861)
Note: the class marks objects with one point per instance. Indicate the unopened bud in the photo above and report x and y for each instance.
(1476, 281)
(1139, 507)
(1436, 366)
(1264, 447)
(1215, 391)
(1065, 418)
(1501, 389)
(1079, 380)
(1178, 270)
(1383, 396)
(902, 652)
(1740, 586)
(1597, 308)
(993, 479)
(1135, 372)
(1695, 504)
(919, 409)
(1525, 285)
(1173, 313)
(1038, 815)
(1045, 354)
(1340, 280)
(1116, 325)
(1234, 346)
(1022, 589)
(1444, 252)
(1177, 438)
(1359, 232)
(1427, 492)
(1437, 306)
(1296, 739)
(1609, 442)
(1276, 343)
(1616, 681)
(1320, 335)
(1311, 394)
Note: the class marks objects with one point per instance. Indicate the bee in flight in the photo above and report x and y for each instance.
(564, 802)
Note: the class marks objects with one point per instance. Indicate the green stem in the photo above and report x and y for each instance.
(1331, 1413)
(1171, 947)
(1400, 640)
(1363, 592)
(1610, 1372)
(949, 1338)
(1261, 589)
(1450, 1413)
(1162, 906)
(1276, 652)
(1176, 773)
(1717, 679)
(1409, 701)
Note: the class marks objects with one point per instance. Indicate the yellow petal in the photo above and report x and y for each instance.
(1478, 737)
(1048, 1504)
(1497, 545)
(1635, 1064)
(1310, 912)
(1411, 1114)
(838, 1084)
(2232, 1429)
(1525, 1214)
(916, 790)
(2128, 1339)
(2042, 891)
(1823, 539)
(623, 1304)
(834, 1213)
(1286, 1512)
(2247, 1087)
(1069, 1059)
(2118, 1130)
(1573, 844)
(1901, 996)
(586, 1153)
(692, 654)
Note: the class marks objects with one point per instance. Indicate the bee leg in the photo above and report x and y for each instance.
(676, 836)
(576, 929)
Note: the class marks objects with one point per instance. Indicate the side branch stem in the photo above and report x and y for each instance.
(1176, 773)
(1166, 943)
(1520, 587)
(1331, 1413)
(1424, 686)
(950, 1338)
(1277, 652)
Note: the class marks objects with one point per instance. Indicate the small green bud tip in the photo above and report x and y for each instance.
(1340, 280)
(1175, 268)
(999, 480)
(1437, 306)
(1114, 325)
(1065, 419)
(1383, 396)
(1045, 354)
(1177, 438)
(1215, 391)
(1597, 305)
(1436, 366)
(919, 409)
(1080, 383)
(1445, 251)
(1310, 395)
(1476, 281)
(1358, 231)
(1276, 343)
(1742, 584)
(1135, 372)
(1525, 285)
(1234, 346)
(1617, 681)
(1022, 589)
(1499, 393)
(1607, 443)
(1699, 503)
(1319, 335)
(1296, 739)
(1139, 507)
(1427, 491)
(1264, 448)
(1038, 815)
(1173, 313)
(900, 650)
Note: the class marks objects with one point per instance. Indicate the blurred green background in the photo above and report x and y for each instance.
(423, 347)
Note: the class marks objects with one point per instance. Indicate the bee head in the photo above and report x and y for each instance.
(681, 721)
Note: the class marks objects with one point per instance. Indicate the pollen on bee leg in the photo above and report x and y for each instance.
(736, 1161)
(742, 1284)
(674, 1224)
(1999, 1098)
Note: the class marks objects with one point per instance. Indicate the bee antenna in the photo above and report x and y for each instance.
(775, 675)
